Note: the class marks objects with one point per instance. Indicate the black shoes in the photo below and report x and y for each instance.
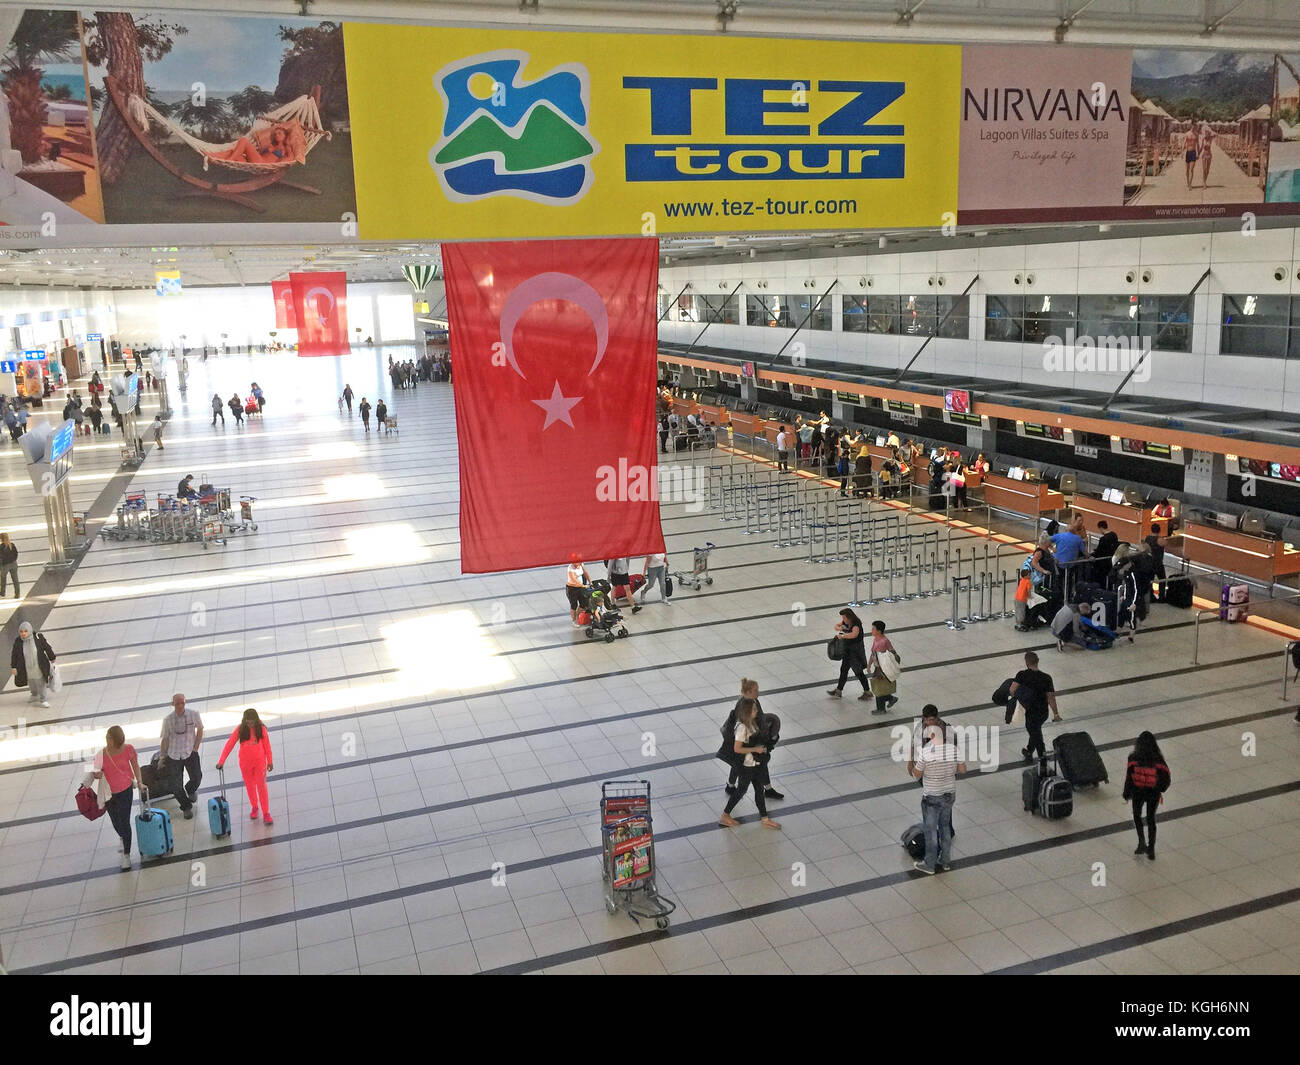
(772, 793)
(1141, 848)
(890, 700)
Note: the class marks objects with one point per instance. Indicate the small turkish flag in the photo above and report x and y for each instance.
(554, 345)
(320, 305)
(282, 293)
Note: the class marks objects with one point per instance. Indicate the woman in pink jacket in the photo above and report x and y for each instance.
(255, 761)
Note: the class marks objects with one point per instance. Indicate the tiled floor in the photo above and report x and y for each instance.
(440, 742)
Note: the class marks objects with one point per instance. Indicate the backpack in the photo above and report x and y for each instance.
(1147, 777)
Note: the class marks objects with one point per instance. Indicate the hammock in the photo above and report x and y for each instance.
(303, 111)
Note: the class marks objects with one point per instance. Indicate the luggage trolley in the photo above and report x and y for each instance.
(245, 522)
(700, 574)
(628, 852)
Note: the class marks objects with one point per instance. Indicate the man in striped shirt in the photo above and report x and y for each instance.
(936, 765)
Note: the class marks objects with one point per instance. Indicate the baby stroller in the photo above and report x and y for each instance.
(602, 618)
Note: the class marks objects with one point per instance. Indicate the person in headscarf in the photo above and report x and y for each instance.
(32, 662)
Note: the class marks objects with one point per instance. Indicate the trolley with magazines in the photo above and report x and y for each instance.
(628, 852)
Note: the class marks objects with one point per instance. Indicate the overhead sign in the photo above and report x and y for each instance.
(8, 366)
(94, 336)
(35, 353)
(61, 441)
(645, 134)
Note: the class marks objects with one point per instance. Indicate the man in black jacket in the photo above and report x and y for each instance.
(1036, 692)
(1103, 552)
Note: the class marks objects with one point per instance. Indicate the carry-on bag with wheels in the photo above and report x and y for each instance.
(219, 810)
(153, 829)
(1078, 760)
(1055, 798)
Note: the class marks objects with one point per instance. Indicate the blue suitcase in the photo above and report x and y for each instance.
(153, 830)
(219, 810)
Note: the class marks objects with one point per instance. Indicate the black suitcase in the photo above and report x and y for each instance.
(1055, 798)
(1030, 781)
(1079, 762)
(1176, 591)
(913, 840)
(162, 780)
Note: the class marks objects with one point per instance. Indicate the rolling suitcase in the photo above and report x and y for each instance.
(219, 810)
(153, 829)
(636, 580)
(1031, 782)
(1078, 760)
(1234, 602)
(913, 840)
(1055, 798)
(1175, 591)
(160, 778)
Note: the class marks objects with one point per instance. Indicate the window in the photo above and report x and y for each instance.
(1004, 318)
(396, 319)
(788, 312)
(957, 325)
(918, 315)
(1258, 325)
(871, 314)
(1049, 316)
(686, 308)
(720, 309)
(1108, 316)
(1168, 313)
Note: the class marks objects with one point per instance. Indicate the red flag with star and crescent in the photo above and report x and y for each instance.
(554, 347)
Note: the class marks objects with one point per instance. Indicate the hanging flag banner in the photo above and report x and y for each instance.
(554, 344)
(282, 293)
(320, 307)
(167, 282)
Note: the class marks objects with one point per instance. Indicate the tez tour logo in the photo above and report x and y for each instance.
(504, 136)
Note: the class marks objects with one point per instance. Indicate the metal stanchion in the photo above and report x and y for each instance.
(890, 598)
(954, 622)
(871, 581)
(853, 551)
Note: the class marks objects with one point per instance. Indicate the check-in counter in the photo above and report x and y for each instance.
(1260, 558)
(1131, 524)
(1021, 497)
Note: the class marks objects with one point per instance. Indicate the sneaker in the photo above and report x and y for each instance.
(252, 815)
(864, 697)
(188, 813)
(877, 711)
(946, 868)
(1024, 753)
(125, 862)
(636, 609)
(835, 692)
(267, 819)
(923, 868)
(890, 700)
(772, 793)
(1141, 849)
(45, 702)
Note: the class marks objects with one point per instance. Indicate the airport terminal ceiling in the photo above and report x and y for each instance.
(1258, 24)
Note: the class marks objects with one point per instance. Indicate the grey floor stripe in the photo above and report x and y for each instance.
(608, 947)
(1150, 935)
(749, 913)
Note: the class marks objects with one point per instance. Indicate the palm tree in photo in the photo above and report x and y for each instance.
(248, 104)
(42, 37)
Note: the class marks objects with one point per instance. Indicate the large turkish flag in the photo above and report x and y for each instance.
(320, 305)
(553, 345)
(282, 294)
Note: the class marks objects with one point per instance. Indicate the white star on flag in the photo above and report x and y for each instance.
(557, 407)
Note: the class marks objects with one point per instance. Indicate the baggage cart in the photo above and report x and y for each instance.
(628, 852)
(699, 575)
(214, 532)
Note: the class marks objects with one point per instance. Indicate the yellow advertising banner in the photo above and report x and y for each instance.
(479, 134)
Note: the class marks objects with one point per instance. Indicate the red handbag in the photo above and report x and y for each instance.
(88, 804)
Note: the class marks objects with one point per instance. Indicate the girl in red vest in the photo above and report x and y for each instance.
(255, 761)
(1145, 782)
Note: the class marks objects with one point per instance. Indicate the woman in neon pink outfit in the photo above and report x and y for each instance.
(255, 761)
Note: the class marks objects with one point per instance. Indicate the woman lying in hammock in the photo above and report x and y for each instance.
(272, 145)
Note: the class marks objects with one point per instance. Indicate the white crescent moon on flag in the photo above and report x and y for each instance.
(554, 286)
(328, 295)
